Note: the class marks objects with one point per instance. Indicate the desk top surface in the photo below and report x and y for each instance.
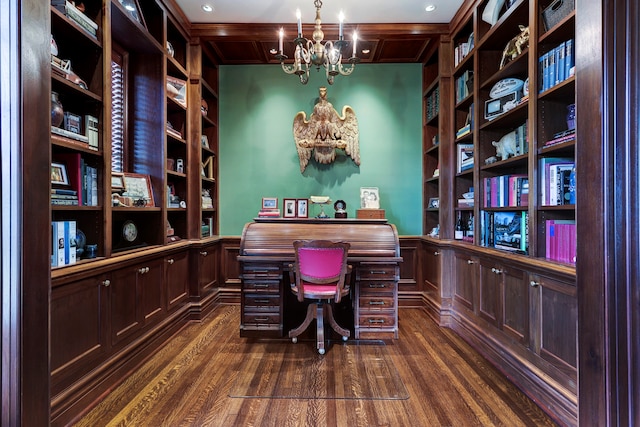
(274, 237)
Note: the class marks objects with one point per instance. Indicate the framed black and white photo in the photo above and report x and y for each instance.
(302, 206)
(289, 206)
(205, 141)
(369, 198)
(434, 203)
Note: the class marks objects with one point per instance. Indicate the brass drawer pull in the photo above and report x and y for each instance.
(106, 283)
(260, 285)
(377, 272)
(377, 285)
(377, 303)
(204, 253)
(170, 261)
(376, 321)
(262, 301)
(261, 319)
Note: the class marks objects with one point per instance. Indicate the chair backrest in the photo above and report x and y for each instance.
(320, 262)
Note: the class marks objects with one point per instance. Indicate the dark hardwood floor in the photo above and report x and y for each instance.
(188, 382)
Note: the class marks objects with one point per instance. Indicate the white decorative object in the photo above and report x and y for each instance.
(506, 147)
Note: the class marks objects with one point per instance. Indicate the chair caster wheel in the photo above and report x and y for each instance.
(294, 340)
(345, 338)
(321, 350)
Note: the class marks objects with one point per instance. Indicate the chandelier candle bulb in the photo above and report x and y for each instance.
(355, 39)
(299, 18)
(280, 41)
(341, 18)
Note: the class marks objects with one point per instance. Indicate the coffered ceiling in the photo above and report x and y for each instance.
(246, 32)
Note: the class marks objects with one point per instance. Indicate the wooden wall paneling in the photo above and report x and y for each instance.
(25, 71)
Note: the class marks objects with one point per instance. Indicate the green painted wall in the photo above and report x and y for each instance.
(258, 158)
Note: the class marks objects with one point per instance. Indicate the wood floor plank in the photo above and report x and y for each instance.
(188, 383)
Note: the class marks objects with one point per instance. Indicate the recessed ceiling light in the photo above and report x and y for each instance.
(273, 51)
(366, 51)
(207, 8)
(430, 8)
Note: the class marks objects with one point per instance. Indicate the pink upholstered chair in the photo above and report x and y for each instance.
(319, 274)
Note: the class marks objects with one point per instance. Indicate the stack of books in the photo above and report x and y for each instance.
(269, 213)
(76, 16)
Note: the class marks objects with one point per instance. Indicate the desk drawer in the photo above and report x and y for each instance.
(375, 287)
(261, 271)
(372, 303)
(266, 318)
(252, 301)
(261, 286)
(378, 320)
(377, 272)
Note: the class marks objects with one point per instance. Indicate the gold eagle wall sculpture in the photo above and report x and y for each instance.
(325, 131)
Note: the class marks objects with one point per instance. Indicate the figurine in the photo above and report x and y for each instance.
(515, 46)
(324, 132)
(506, 147)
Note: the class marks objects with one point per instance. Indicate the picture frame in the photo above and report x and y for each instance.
(117, 181)
(290, 208)
(269, 203)
(434, 203)
(59, 174)
(204, 140)
(138, 187)
(302, 208)
(133, 9)
(369, 198)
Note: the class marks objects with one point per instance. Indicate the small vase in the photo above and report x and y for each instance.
(571, 116)
(57, 113)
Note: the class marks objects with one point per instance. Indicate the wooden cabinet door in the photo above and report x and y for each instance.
(79, 338)
(177, 279)
(465, 270)
(515, 304)
(490, 292)
(207, 268)
(431, 268)
(149, 276)
(555, 326)
(124, 304)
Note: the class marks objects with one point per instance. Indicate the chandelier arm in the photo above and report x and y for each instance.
(344, 71)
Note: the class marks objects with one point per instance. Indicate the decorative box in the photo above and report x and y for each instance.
(556, 11)
(370, 213)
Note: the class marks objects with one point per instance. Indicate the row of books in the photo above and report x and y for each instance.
(506, 191)
(505, 230)
(462, 49)
(63, 243)
(468, 124)
(464, 85)
(433, 103)
(206, 228)
(557, 65)
(561, 137)
(561, 240)
(557, 181)
(522, 139)
(73, 13)
(83, 180)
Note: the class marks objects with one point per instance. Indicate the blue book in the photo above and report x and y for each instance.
(552, 68)
(569, 61)
(562, 75)
(545, 72)
(541, 74)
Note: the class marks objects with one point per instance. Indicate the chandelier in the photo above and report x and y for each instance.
(316, 53)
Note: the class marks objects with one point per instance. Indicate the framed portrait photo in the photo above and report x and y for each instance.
(59, 174)
(289, 207)
(369, 198)
(269, 203)
(302, 206)
(434, 203)
(204, 140)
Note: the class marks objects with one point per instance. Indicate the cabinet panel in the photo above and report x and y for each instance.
(465, 279)
(78, 330)
(177, 278)
(558, 323)
(489, 292)
(124, 304)
(151, 284)
(207, 267)
(516, 309)
(431, 269)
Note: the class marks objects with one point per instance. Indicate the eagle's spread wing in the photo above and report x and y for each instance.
(303, 137)
(348, 124)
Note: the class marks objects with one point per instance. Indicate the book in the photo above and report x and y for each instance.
(91, 131)
(465, 157)
(58, 242)
(508, 230)
(70, 242)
